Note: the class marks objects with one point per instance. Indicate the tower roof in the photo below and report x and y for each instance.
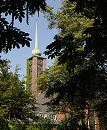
(36, 51)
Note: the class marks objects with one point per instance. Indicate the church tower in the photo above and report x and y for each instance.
(35, 65)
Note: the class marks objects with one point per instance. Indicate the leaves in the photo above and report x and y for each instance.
(81, 46)
(10, 36)
(15, 103)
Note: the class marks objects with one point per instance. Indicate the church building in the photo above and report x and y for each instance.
(35, 65)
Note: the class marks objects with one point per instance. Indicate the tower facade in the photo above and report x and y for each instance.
(35, 65)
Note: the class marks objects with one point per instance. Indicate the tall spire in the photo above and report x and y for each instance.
(36, 36)
(36, 50)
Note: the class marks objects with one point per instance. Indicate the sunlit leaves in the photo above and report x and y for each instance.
(15, 103)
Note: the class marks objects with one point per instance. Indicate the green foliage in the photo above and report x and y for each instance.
(52, 74)
(83, 38)
(81, 44)
(16, 125)
(16, 106)
(3, 124)
(74, 92)
(69, 43)
(32, 127)
(70, 123)
(69, 22)
(52, 81)
(41, 124)
(10, 36)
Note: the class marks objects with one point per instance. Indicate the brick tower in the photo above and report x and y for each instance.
(35, 65)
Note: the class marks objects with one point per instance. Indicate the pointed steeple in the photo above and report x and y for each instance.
(36, 50)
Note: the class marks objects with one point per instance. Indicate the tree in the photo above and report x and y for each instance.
(41, 124)
(81, 45)
(11, 36)
(17, 107)
(51, 81)
(74, 93)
